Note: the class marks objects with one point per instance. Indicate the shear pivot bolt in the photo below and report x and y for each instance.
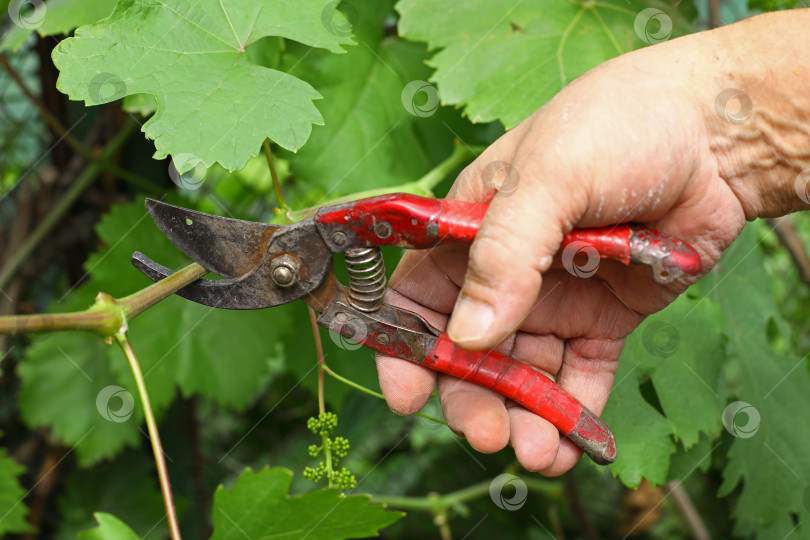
(339, 238)
(285, 271)
(382, 339)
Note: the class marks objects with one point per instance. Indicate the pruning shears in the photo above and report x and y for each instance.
(265, 265)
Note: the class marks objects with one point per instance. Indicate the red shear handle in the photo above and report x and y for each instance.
(531, 389)
(416, 222)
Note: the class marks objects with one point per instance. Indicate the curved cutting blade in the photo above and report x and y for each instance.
(232, 293)
(228, 247)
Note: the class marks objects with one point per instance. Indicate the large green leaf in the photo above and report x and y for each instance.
(258, 507)
(502, 59)
(12, 508)
(109, 528)
(680, 350)
(213, 103)
(228, 356)
(769, 454)
(53, 17)
(370, 139)
(67, 372)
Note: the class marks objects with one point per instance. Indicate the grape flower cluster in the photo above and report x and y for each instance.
(333, 449)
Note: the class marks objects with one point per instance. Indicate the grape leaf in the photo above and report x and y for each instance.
(54, 17)
(680, 350)
(228, 356)
(643, 435)
(370, 139)
(67, 372)
(768, 457)
(133, 497)
(12, 508)
(258, 507)
(213, 103)
(503, 59)
(109, 528)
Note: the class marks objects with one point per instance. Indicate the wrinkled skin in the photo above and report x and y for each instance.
(633, 140)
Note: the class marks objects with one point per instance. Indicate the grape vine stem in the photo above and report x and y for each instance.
(154, 437)
(327, 450)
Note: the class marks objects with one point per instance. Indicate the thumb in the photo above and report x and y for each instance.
(518, 238)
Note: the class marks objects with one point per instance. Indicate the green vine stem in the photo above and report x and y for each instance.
(154, 437)
(108, 315)
(282, 202)
(348, 382)
(460, 156)
(136, 303)
(438, 504)
(327, 450)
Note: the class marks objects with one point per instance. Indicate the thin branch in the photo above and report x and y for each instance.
(46, 115)
(785, 229)
(433, 502)
(327, 450)
(84, 180)
(424, 186)
(136, 303)
(714, 14)
(690, 514)
(282, 202)
(74, 143)
(154, 437)
(108, 315)
(321, 361)
(442, 521)
(369, 391)
(578, 510)
(351, 383)
(462, 155)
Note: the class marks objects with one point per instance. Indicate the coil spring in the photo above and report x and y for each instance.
(366, 278)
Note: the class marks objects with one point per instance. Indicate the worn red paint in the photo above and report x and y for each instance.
(415, 222)
(528, 387)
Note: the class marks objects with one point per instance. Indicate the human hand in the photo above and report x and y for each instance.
(629, 141)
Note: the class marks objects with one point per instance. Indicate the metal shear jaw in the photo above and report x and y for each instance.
(263, 265)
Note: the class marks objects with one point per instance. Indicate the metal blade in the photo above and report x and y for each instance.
(232, 293)
(253, 291)
(228, 247)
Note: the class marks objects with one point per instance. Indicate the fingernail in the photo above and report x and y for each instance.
(471, 320)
